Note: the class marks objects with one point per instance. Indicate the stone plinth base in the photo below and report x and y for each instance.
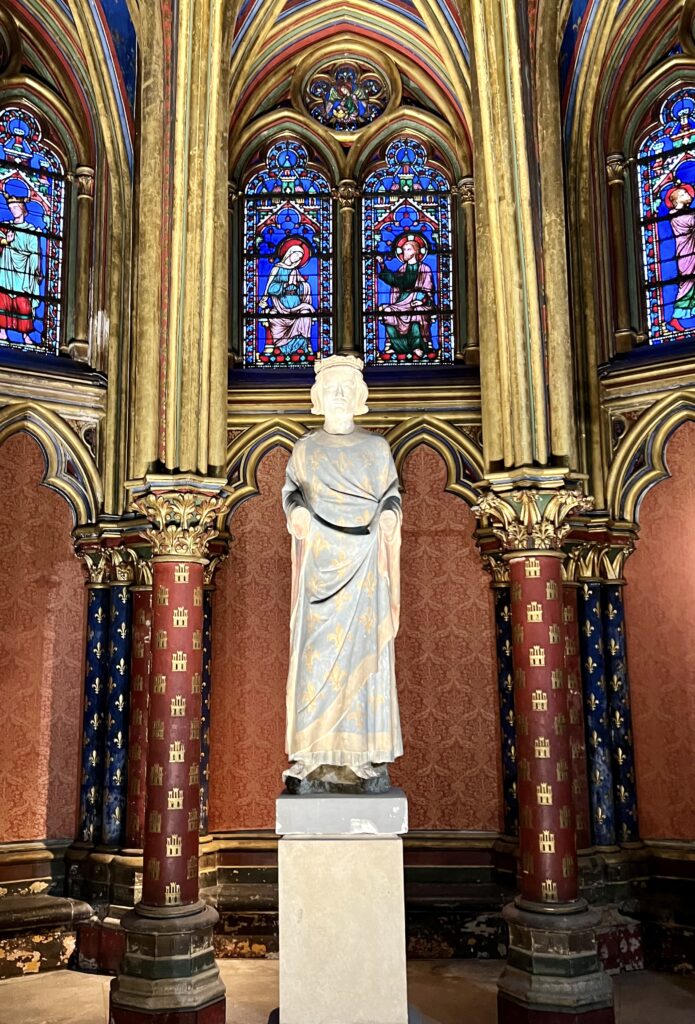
(168, 974)
(553, 972)
(342, 913)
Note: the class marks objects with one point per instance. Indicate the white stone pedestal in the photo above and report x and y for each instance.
(342, 909)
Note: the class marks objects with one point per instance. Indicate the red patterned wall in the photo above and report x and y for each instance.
(41, 646)
(659, 603)
(445, 660)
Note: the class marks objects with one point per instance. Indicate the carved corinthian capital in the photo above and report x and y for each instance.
(346, 194)
(531, 519)
(97, 562)
(182, 522)
(616, 166)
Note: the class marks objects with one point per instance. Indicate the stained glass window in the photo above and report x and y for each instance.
(407, 259)
(288, 273)
(347, 94)
(666, 181)
(32, 201)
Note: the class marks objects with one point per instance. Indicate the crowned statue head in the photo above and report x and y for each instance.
(339, 392)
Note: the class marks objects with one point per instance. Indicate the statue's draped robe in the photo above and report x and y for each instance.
(342, 707)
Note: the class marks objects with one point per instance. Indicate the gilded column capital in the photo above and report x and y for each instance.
(497, 567)
(84, 182)
(233, 194)
(465, 190)
(142, 570)
(123, 560)
(97, 563)
(616, 168)
(346, 193)
(213, 564)
(182, 521)
(530, 518)
(600, 561)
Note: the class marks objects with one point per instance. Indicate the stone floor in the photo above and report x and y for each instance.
(443, 991)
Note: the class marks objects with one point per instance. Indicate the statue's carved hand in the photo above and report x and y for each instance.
(388, 523)
(299, 522)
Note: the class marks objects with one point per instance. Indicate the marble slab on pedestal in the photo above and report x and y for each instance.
(342, 908)
(349, 814)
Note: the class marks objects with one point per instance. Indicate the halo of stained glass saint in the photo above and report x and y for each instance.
(346, 94)
(666, 182)
(32, 200)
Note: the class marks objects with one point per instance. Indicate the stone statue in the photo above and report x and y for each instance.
(344, 514)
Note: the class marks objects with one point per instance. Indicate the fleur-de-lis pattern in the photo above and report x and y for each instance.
(594, 689)
(505, 679)
(620, 719)
(140, 666)
(94, 720)
(116, 745)
(205, 710)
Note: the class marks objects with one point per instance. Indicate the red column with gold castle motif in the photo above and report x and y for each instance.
(546, 819)
(552, 973)
(578, 766)
(172, 812)
(169, 965)
(141, 656)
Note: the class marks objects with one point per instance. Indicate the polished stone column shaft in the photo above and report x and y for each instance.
(505, 687)
(546, 815)
(170, 876)
(141, 662)
(116, 737)
(94, 711)
(580, 792)
(598, 740)
(619, 713)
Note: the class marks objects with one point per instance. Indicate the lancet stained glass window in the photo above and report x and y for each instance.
(666, 180)
(288, 273)
(32, 210)
(407, 259)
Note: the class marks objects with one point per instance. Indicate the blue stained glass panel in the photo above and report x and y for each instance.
(666, 183)
(288, 253)
(32, 211)
(407, 261)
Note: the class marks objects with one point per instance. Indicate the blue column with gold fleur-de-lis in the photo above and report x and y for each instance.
(619, 714)
(116, 735)
(93, 718)
(598, 739)
(505, 680)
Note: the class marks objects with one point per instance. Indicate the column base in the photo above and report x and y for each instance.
(553, 974)
(168, 974)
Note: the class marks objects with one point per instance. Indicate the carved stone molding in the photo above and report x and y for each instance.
(531, 519)
(182, 522)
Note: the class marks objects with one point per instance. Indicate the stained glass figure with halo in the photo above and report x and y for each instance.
(407, 259)
(666, 179)
(32, 201)
(288, 280)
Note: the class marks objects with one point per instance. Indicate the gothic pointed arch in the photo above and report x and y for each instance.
(70, 468)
